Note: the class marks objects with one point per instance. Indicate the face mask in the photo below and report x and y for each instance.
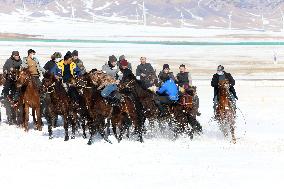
(220, 72)
(57, 59)
(32, 56)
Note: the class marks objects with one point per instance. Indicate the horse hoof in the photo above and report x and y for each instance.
(50, 137)
(89, 142)
(84, 136)
(72, 137)
(66, 138)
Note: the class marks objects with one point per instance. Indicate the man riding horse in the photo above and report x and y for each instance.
(65, 70)
(220, 76)
(168, 94)
(9, 91)
(184, 80)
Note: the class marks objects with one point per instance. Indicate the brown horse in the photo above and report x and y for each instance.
(225, 113)
(30, 98)
(58, 103)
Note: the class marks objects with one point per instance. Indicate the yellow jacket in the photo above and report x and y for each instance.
(73, 68)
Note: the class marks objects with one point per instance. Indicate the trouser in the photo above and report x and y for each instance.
(108, 90)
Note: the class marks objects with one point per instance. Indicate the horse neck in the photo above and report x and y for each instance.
(223, 96)
(142, 93)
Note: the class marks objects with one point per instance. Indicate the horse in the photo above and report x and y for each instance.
(122, 115)
(225, 113)
(147, 99)
(58, 103)
(30, 98)
(190, 108)
(2, 82)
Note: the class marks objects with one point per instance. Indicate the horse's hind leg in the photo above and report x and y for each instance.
(84, 127)
(65, 117)
(39, 121)
(92, 130)
(26, 118)
(73, 122)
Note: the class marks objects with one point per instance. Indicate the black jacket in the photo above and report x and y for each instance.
(11, 63)
(228, 76)
(49, 65)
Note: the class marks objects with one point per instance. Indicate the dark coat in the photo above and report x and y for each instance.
(49, 66)
(11, 63)
(149, 71)
(184, 78)
(162, 76)
(215, 82)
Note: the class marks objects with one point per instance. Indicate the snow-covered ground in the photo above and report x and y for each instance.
(30, 160)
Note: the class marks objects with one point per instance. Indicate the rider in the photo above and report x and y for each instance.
(120, 59)
(111, 67)
(165, 73)
(144, 72)
(222, 75)
(67, 69)
(109, 84)
(55, 58)
(32, 63)
(9, 88)
(184, 80)
(78, 62)
(168, 94)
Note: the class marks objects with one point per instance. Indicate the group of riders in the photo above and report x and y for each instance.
(168, 87)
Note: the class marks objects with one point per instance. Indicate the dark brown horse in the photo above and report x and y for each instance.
(225, 113)
(30, 98)
(190, 108)
(58, 103)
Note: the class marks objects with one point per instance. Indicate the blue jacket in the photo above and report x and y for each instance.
(169, 88)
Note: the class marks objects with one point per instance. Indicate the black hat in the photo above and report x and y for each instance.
(112, 58)
(68, 55)
(182, 65)
(220, 68)
(75, 53)
(15, 53)
(166, 66)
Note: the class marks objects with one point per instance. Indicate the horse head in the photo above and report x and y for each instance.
(224, 86)
(23, 77)
(48, 81)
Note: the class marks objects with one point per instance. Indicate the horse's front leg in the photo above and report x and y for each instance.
(34, 118)
(232, 129)
(65, 117)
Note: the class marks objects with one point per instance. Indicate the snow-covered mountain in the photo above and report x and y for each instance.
(238, 14)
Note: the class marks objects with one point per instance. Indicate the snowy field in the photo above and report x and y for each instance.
(30, 160)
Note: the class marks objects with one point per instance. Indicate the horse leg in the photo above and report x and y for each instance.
(92, 130)
(51, 124)
(102, 131)
(65, 117)
(39, 121)
(84, 127)
(34, 118)
(74, 123)
(26, 121)
(232, 129)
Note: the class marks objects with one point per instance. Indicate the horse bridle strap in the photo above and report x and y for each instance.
(52, 90)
